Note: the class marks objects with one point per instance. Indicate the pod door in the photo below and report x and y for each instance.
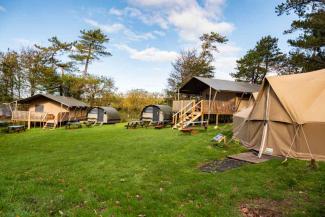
(100, 116)
(155, 114)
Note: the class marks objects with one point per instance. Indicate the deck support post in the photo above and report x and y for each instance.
(217, 119)
(215, 109)
(178, 94)
(28, 126)
(210, 90)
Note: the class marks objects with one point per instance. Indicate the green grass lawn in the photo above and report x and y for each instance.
(111, 171)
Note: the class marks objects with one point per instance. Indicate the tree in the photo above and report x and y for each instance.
(10, 76)
(209, 42)
(266, 57)
(52, 54)
(37, 72)
(188, 64)
(191, 63)
(90, 47)
(309, 46)
(136, 99)
(96, 87)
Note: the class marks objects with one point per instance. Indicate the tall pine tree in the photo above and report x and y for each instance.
(309, 47)
(90, 47)
(266, 57)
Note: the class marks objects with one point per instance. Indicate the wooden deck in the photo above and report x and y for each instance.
(45, 116)
(251, 157)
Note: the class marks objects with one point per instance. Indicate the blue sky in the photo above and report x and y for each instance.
(146, 35)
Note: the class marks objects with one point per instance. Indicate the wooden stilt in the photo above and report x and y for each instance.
(28, 126)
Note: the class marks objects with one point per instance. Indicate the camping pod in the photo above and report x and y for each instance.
(157, 113)
(106, 115)
(287, 118)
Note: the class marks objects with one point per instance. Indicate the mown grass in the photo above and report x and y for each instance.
(111, 171)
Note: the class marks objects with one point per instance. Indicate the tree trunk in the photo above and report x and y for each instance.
(87, 61)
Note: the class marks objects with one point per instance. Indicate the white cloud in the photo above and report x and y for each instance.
(160, 3)
(116, 12)
(151, 54)
(2, 9)
(115, 27)
(225, 60)
(147, 18)
(120, 28)
(189, 18)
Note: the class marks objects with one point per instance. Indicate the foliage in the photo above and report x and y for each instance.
(209, 42)
(111, 171)
(96, 86)
(90, 47)
(10, 76)
(49, 69)
(134, 101)
(309, 47)
(191, 63)
(266, 57)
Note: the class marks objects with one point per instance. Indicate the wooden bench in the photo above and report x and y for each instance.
(16, 128)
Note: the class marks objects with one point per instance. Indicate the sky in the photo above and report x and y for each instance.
(145, 35)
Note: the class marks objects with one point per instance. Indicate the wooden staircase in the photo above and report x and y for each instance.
(188, 115)
(50, 124)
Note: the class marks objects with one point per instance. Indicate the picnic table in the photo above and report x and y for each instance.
(16, 128)
(135, 124)
(73, 125)
(201, 123)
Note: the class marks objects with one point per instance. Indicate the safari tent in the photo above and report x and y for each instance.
(48, 109)
(106, 115)
(288, 117)
(157, 113)
(208, 99)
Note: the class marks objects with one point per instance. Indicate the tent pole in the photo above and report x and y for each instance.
(178, 94)
(214, 99)
(266, 123)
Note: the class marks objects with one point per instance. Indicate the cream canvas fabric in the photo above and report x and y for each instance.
(293, 108)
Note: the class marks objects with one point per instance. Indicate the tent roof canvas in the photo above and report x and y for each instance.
(198, 84)
(64, 100)
(304, 104)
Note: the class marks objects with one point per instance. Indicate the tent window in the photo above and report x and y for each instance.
(39, 108)
(94, 111)
(149, 110)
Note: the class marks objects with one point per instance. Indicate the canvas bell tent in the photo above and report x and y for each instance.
(288, 117)
(106, 115)
(157, 113)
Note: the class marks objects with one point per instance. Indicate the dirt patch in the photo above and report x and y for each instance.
(221, 165)
(264, 208)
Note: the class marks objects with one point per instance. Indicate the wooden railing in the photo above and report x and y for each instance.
(180, 104)
(182, 108)
(219, 107)
(216, 107)
(30, 116)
